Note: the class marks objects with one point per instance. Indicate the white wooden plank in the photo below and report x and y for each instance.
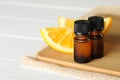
(11, 70)
(37, 12)
(15, 49)
(43, 4)
(21, 27)
(62, 4)
(66, 4)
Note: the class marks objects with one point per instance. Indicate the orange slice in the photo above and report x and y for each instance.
(66, 22)
(107, 24)
(60, 39)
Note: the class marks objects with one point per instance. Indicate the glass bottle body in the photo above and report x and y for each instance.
(82, 49)
(97, 44)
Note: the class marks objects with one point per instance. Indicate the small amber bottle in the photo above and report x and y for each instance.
(82, 44)
(96, 36)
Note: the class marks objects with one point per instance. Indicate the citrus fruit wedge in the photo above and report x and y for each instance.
(107, 24)
(60, 39)
(67, 22)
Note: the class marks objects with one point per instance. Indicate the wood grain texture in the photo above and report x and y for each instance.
(109, 64)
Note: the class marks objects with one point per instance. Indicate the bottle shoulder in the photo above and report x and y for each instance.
(96, 36)
(76, 39)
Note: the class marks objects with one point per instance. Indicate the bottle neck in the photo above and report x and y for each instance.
(82, 36)
(96, 33)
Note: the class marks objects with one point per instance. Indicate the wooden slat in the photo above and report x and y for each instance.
(37, 12)
(23, 27)
(16, 48)
(63, 4)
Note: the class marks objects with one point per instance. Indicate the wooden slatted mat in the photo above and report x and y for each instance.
(109, 64)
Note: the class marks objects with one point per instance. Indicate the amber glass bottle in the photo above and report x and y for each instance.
(82, 44)
(96, 36)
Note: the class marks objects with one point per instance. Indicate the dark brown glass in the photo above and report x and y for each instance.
(97, 44)
(82, 49)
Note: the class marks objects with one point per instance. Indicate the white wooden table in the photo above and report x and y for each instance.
(20, 22)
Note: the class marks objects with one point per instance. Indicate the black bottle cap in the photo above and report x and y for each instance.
(96, 23)
(81, 26)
